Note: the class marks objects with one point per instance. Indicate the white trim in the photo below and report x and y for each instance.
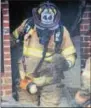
(7, 65)
(8, 46)
(7, 59)
(8, 72)
(87, 12)
(6, 40)
(5, 2)
(87, 18)
(5, 15)
(85, 30)
(6, 53)
(6, 9)
(6, 33)
(6, 27)
(5, 21)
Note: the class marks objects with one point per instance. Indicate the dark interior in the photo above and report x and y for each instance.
(22, 9)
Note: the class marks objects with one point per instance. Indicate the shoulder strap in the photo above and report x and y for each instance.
(28, 25)
(58, 38)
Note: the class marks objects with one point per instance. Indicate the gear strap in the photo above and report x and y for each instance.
(42, 59)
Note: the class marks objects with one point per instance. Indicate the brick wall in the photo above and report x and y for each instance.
(85, 34)
(6, 79)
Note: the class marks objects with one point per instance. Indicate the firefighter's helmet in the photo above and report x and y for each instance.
(46, 15)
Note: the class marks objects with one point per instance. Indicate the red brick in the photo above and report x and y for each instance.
(85, 15)
(81, 38)
(82, 32)
(86, 18)
(85, 21)
(89, 15)
(8, 92)
(4, 11)
(87, 50)
(7, 68)
(81, 27)
(2, 92)
(90, 44)
(6, 49)
(6, 80)
(2, 74)
(6, 37)
(87, 38)
(6, 43)
(6, 18)
(6, 46)
(6, 24)
(87, 35)
(83, 56)
(6, 87)
(7, 74)
(4, 5)
(86, 26)
(2, 80)
(84, 44)
(7, 61)
(6, 56)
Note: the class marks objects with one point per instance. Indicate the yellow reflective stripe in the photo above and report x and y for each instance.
(16, 34)
(35, 52)
(68, 51)
(31, 31)
(39, 10)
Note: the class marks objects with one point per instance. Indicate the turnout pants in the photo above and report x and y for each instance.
(48, 95)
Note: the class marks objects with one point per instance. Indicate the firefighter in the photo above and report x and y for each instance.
(83, 96)
(47, 52)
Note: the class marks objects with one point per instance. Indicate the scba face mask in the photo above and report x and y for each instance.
(44, 35)
(47, 16)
